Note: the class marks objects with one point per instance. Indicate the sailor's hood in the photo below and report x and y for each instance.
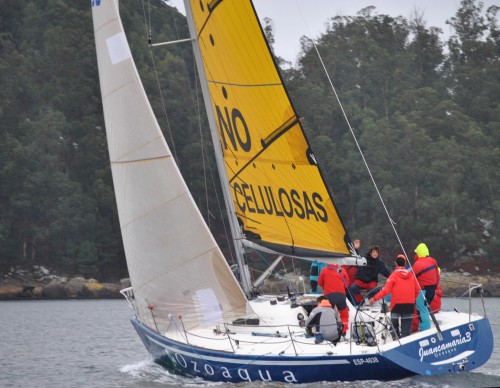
(421, 250)
(402, 272)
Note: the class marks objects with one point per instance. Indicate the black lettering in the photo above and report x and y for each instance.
(309, 207)
(247, 145)
(276, 210)
(259, 210)
(323, 216)
(299, 209)
(234, 128)
(269, 210)
(237, 190)
(286, 203)
(285, 206)
(248, 199)
(226, 127)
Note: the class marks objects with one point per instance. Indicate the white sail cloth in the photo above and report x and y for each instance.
(175, 265)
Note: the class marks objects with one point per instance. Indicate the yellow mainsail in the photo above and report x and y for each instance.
(279, 195)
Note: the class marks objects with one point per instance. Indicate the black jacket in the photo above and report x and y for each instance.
(369, 273)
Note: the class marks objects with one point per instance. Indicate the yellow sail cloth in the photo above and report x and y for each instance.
(279, 194)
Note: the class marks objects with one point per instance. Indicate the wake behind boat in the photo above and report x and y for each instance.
(190, 310)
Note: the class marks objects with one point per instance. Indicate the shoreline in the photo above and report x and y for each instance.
(453, 284)
(60, 289)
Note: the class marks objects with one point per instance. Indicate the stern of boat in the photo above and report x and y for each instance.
(460, 348)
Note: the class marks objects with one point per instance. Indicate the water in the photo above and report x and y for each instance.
(91, 343)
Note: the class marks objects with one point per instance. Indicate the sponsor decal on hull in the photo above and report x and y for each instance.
(209, 366)
(442, 349)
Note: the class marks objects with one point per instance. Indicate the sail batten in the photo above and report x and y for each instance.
(225, 83)
(152, 159)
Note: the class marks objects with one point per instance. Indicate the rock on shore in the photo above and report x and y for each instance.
(453, 284)
(456, 284)
(40, 283)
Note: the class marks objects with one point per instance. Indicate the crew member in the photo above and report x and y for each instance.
(333, 280)
(404, 289)
(325, 320)
(367, 277)
(427, 273)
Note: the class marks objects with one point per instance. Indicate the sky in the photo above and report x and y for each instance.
(295, 18)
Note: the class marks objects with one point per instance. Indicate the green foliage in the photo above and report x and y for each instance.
(426, 121)
(86, 259)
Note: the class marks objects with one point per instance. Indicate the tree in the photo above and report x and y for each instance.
(425, 130)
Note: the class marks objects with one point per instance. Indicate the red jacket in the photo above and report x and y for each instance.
(333, 279)
(402, 286)
(351, 273)
(427, 271)
(436, 302)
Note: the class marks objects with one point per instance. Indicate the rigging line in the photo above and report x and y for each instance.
(391, 221)
(195, 96)
(211, 6)
(202, 142)
(228, 239)
(147, 20)
(196, 103)
(208, 71)
(359, 148)
(353, 134)
(164, 107)
(158, 82)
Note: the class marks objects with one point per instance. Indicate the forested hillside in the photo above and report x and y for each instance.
(427, 117)
(426, 114)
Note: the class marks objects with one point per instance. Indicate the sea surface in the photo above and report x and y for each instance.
(91, 343)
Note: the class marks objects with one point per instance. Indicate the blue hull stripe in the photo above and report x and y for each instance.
(461, 356)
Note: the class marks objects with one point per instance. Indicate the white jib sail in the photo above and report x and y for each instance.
(175, 265)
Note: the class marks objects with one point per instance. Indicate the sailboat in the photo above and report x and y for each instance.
(190, 310)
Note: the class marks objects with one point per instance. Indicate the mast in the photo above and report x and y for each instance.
(233, 222)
